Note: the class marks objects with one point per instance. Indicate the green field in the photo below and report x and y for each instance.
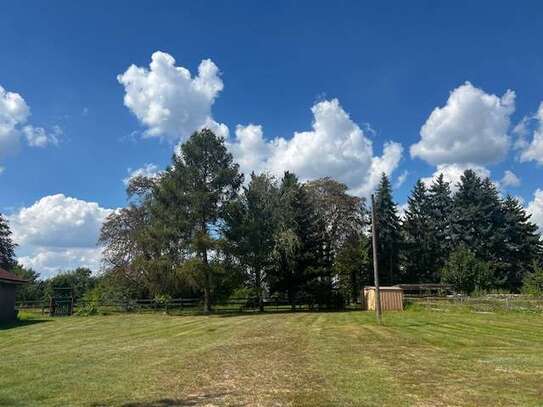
(419, 357)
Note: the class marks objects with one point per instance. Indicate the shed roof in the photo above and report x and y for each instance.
(10, 278)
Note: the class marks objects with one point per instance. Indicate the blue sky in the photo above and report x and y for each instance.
(389, 65)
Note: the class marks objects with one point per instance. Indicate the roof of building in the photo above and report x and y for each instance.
(10, 278)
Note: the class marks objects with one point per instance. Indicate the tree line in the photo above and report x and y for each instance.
(200, 229)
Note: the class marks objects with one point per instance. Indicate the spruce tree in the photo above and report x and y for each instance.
(7, 247)
(389, 233)
(522, 246)
(300, 252)
(250, 226)
(418, 257)
(441, 205)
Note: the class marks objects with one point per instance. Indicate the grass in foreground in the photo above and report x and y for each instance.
(419, 358)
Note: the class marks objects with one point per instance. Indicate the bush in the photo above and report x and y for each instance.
(466, 273)
(532, 283)
(90, 303)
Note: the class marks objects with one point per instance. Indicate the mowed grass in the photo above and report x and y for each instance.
(418, 358)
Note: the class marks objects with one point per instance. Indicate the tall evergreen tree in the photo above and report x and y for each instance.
(299, 248)
(418, 257)
(7, 246)
(250, 226)
(441, 205)
(189, 205)
(389, 233)
(522, 246)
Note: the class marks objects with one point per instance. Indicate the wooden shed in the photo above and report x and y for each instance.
(8, 284)
(391, 298)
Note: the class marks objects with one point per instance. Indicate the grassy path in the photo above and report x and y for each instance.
(419, 358)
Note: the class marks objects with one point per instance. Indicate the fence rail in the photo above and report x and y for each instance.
(487, 303)
(180, 305)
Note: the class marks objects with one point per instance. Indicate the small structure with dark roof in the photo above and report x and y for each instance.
(8, 285)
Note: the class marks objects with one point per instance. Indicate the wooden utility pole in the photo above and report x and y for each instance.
(375, 262)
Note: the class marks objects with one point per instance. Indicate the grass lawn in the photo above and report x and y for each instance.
(419, 357)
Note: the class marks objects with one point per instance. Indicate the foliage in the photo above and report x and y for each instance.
(533, 281)
(465, 272)
(7, 246)
(79, 280)
(250, 226)
(31, 291)
(352, 266)
(389, 233)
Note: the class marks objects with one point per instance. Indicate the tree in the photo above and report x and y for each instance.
(33, 290)
(79, 280)
(344, 215)
(417, 250)
(7, 246)
(389, 233)
(477, 217)
(522, 246)
(189, 204)
(300, 252)
(441, 206)
(533, 281)
(465, 272)
(250, 226)
(352, 266)
(124, 237)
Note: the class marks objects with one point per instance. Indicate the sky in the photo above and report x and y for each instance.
(92, 93)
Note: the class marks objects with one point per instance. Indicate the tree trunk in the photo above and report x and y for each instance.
(258, 286)
(207, 286)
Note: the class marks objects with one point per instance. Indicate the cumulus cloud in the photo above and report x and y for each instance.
(58, 232)
(168, 100)
(148, 170)
(39, 137)
(14, 113)
(532, 151)
(336, 147)
(535, 208)
(509, 179)
(453, 172)
(50, 261)
(472, 128)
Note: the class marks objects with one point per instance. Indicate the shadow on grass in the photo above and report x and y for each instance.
(21, 323)
(201, 400)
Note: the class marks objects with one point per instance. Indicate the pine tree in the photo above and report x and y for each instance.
(250, 226)
(389, 233)
(522, 246)
(477, 223)
(7, 247)
(418, 257)
(441, 205)
(300, 252)
(188, 206)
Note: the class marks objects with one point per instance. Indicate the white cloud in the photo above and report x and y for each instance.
(49, 261)
(401, 178)
(14, 114)
(453, 172)
(39, 137)
(58, 232)
(532, 151)
(535, 208)
(336, 147)
(471, 128)
(168, 100)
(509, 179)
(148, 170)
